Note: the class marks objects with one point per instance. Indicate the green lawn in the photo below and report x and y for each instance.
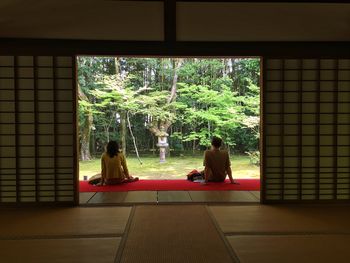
(173, 168)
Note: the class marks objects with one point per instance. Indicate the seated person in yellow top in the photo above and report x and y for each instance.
(113, 166)
(217, 163)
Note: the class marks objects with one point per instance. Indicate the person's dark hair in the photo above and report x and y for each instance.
(216, 142)
(112, 148)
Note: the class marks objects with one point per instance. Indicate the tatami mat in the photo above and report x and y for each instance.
(141, 197)
(256, 194)
(287, 218)
(169, 196)
(176, 233)
(85, 197)
(222, 196)
(174, 196)
(183, 234)
(63, 221)
(300, 249)
(87, 250)
(108, 197)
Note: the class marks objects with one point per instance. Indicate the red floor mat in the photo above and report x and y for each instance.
(173, 185)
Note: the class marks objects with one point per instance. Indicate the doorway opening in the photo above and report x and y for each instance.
(164, 111)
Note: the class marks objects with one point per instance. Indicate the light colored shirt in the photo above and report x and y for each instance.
(114, 167)
(218, 161)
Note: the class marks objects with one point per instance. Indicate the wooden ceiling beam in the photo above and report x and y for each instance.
(293, 49)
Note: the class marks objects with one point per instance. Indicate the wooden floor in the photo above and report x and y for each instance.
(156, 197)
(245, 233)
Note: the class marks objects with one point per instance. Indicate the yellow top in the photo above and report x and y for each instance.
(114, 167)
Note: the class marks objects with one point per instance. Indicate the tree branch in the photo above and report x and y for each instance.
(144, 88)
(154, 129)
(81, 94)
(172, 97)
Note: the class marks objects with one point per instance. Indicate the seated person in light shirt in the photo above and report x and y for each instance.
(113, 166)
(217, 163)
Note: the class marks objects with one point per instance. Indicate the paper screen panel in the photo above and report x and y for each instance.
(37, 154)
(306, 129)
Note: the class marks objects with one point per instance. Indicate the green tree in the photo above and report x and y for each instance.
(190, 98)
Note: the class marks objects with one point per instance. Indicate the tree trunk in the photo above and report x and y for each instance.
(85, 140)
(194, 147)
(209, 128)
(123, 131)
(183, 147)
(117, 66)
(107, 133)
(93, 144)
(86, 130)
(133, 138)
(177, 65)
(159, 127)
(123, 128)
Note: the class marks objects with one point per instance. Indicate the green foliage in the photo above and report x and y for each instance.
(214, 97)
(254, 157)
(209, 112)
(155, 104)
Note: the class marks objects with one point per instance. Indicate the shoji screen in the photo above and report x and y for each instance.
(37, 129)
(306, 129)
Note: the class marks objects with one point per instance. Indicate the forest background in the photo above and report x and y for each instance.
(136, 100)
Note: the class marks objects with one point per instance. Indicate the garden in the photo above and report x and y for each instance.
(164, 112)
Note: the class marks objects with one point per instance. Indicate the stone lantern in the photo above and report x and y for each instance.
(162, 144)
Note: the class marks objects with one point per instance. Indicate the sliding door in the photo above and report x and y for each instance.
(37, 129)
(306, 130)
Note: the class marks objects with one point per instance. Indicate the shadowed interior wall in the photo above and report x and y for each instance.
(306, 102)
(306, 129)
(137, 20)
(37, 129)
(263, 22)
(82, 19)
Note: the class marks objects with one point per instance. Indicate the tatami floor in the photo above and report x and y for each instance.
(176, 233)
(156, 197)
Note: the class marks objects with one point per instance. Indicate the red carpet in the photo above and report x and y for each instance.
(173, 185)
